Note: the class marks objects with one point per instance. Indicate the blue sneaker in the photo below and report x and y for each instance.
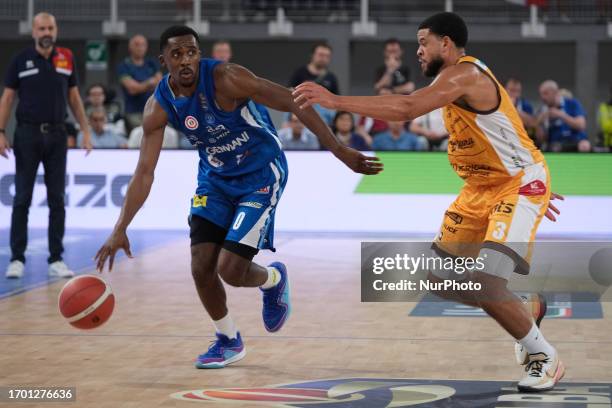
(222, 352)
(276, 301)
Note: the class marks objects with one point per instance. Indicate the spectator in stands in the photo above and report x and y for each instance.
(297, 137)
(394, 73)
(222, 50)
(102, 137)
(604, 118)
(522, 105)
(397, 138)
(317, 70)
(344, 129)
(373, 126)
(431, 127)
(171, 138)
(97, 97)
(563, 120)
(138, 76)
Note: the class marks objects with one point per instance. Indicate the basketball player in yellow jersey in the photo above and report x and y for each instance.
(507, 185)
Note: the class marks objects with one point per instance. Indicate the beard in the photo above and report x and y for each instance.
(433, 68)
(46, 41)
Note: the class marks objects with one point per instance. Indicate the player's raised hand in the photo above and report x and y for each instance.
(117, 240)
(360, 163)
(308, 93)
(551, 207)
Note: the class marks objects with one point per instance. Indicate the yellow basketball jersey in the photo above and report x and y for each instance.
(486, 148)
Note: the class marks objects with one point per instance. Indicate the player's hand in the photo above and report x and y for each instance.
(551, 207)
(308, 93)
(358, 162)
(5, 146)
(86, 142)
(118, 240)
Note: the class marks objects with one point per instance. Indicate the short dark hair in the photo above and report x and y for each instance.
(392, 40)
(96, 85)
(320, 44)
(176, 31)
(447, 25)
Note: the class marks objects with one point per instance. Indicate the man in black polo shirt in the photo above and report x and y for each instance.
(44, 78)
(317, 70)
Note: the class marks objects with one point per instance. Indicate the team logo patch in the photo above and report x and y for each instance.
(392, 392)
(263, 190)
(191, 123)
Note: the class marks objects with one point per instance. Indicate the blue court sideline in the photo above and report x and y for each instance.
(81, 246)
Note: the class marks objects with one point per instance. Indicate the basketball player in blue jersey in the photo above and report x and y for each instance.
(241, 176)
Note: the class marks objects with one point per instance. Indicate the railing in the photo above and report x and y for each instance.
(382, 11)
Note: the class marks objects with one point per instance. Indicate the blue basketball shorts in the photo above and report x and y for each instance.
(244, 206)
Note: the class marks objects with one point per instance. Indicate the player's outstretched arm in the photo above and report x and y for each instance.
(154, 122)
(449, 86)
(238, 83)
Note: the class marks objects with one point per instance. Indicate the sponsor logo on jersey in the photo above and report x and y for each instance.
(199, 201)
(218, 132)
(209, 118)
(203, 101)
(191, 123)
(534, 188)
(215, 162)
(62, 61)
(457, 218)
(252, 204)
(461, 144)
(229, 147)
(193, 139)
(503, 208)
(263, 190)
(450, 229)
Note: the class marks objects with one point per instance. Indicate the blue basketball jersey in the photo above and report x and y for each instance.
(229, 143)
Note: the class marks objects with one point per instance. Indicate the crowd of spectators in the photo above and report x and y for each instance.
(557, 125)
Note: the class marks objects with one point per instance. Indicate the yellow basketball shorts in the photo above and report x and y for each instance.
(501, 218)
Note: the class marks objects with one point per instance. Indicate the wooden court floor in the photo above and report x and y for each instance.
(145, 352)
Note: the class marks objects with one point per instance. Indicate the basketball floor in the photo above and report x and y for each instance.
(334, 350)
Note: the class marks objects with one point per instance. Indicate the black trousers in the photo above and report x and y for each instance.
(33, 145)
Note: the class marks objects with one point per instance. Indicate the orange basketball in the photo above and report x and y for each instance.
(86, 301)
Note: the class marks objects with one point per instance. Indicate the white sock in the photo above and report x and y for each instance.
(226, 326)
(274, 278)
(535, 343)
